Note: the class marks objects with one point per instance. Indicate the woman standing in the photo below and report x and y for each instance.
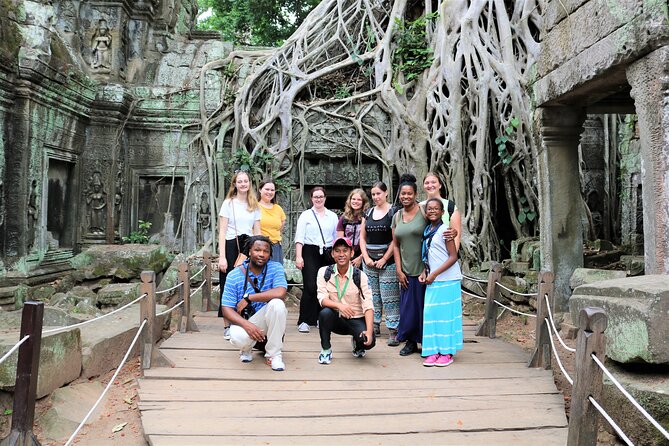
(314, 236)
(408, 225)
(377, 247)
(350, 222)
(238, 219)
(452, 218)
(272, 218)
(442, 317)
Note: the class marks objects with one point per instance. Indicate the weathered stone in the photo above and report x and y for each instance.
(602, 245)
(69, 406)
(635, 264)
(62, 301)
(583, 276)
(637, 309)
(82, 293)
(41, 293)
(521, 268)
(651, 389)
(84, 307)
(118, 294)
(516, 284)
(122, 261)
(523, 249)
(59, 363)
(293, 274)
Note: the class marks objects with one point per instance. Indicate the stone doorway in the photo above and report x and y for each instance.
(159, 200)
(60, 199)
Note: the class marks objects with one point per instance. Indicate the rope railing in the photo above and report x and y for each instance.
(163, 313)
(199, 272)
(81, 324)
(13, 349)
(109, 384)
(552, 322)
(608, 418)
(474, 279)
(515, 292)
(514, 311)
(557, 357)
(192, 293)
(169, 289)
(472, 295)
(630, 398)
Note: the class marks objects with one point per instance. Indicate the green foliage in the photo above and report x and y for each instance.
(258, 167)
(8, 412)
(412, 54)
(503, 142)
(342, 92)
(255, 22)
(525, 213)
(141, 236)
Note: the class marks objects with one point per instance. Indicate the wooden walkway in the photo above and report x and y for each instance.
(486, 397)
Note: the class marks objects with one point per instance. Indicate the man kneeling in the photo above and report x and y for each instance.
(259, 284)
(346, 298)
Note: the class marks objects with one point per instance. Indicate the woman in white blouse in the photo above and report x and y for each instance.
(238, 219)
(316, 232)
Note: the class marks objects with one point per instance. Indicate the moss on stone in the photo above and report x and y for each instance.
(10, 34)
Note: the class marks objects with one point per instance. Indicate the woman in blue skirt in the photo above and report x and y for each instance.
(442, 312)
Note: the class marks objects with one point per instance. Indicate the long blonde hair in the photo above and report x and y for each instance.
(349, 213)
(251, 200)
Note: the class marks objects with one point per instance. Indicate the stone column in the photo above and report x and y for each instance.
(649, 78)
(559, 129)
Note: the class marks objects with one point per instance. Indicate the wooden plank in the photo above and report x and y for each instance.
(543, 437)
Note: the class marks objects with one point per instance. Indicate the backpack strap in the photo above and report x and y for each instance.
(451, 208)
(356, 277)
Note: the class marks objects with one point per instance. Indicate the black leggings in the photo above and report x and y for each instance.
(313, 260)
(330, 322)
(231, 253)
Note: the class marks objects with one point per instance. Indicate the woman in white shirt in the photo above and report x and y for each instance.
(238, 219)
(315, 233)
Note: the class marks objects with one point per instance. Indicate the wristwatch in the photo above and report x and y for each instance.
(246, 298)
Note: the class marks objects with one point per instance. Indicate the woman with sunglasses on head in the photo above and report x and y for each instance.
(377, 247)
(272, 217)
(451, 216)
(408, 225)
(238, 219)
(315, 233)
(351, 220)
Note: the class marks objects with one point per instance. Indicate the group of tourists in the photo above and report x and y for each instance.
(398, 264)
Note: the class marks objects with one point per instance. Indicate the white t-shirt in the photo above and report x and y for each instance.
(243, 224)
(437, 255)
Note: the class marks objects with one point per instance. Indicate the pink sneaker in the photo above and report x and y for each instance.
(431, 360)
(444, 360)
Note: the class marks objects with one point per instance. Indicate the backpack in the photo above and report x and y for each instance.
(356, 277)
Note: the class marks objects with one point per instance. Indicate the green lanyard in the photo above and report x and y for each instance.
(342, 293)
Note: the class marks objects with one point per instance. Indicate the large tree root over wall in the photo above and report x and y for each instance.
(445, 120)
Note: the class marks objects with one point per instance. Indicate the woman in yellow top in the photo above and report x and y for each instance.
(272, 218)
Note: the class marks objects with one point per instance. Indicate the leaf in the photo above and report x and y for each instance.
(119, 427)
(531, 216)
(515, 122)
(508, 130)
(523, 200)
(498, 140)
(128, 400)
(8, 412)
(501, 147)
(521, 217)
(504, 139)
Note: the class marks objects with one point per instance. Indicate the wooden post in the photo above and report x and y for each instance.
(541, 356)
(583, 418)
(186, 322)
(489, 325)
(149, 355)
(25, 390)
(206, 289)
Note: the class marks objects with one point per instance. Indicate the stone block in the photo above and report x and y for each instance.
(41, 293)
(121, 261)
(293, 274)
(69, 406)
(651, 389)
(521, 268)
(517, 284)
(637, 309)
(523, 248)
(59, 363)
(118, 294)
(583, 276)
(635, 265)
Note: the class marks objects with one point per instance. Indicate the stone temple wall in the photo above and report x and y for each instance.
(97, 105)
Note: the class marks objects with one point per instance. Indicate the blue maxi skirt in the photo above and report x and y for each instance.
(411, 311)
(442, 318)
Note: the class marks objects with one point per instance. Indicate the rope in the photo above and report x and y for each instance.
(111, 381)
(550, 317)
(613, 424)
(58, 330)
(638, 406)
(162, 313)
(169, 289)
(515, 311)
(473, 295)
(198, 273)
(550, 337)
(197, 289)
(474, 279)
(515, 292)
(13, 349)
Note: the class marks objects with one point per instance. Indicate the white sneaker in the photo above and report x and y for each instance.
(245, 356)
(303, 327)
(277, 363)
(226, 333)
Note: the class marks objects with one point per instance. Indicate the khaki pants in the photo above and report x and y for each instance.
(272, 320)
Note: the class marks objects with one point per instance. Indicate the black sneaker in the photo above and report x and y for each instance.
(357, 353)
(409, 348)
(377, 329)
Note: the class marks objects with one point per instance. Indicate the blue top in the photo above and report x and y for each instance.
(275, 276)
(437, 255)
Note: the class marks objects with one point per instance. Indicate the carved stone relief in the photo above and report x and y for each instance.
(101, 46)
(337, 172)
(96, 202)
(32, 215)
(203, 219)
